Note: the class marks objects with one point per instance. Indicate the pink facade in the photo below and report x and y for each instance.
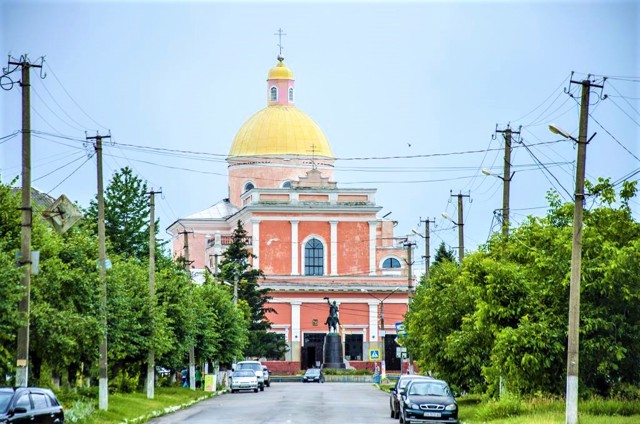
(312, 240)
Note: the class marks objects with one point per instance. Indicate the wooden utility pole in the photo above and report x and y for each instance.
(103, 396)
(576, 259)
(427, 246)
(506, 178)
(151, 372)
(192, 349)
(24, 308)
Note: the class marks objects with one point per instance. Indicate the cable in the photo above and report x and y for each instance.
(57, 169)
(624, 98)
(615, 139)
(545, 168)
(33, 89)
(544, 101)
(72, 99)
(625, 112)
(74, 171)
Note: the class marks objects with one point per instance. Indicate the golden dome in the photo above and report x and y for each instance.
(280, 72)
(280, 130)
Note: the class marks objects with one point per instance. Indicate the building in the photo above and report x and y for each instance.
(312, 239)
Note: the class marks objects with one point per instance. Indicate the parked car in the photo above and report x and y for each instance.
(313, 374)
(244, 380)
(29, 405)
(427, 401)
(401, 383)
(266, 375)
(254, 366)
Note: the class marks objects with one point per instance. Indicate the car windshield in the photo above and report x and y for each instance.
(249, 366)
(313, 371)
(5, 398)
(404, 381)
(244, 374)
(429, 389)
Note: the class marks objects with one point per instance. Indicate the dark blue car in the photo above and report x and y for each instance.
(428, 401)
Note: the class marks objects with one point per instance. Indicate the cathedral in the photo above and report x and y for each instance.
(312, 239)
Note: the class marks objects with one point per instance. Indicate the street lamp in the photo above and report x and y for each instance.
(560, 132)
(381, 331)
(506, 182)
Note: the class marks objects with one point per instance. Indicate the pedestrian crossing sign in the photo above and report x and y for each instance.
(374, 354)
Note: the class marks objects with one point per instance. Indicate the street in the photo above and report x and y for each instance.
(328, 403)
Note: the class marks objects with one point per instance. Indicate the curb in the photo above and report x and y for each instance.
(171, 409)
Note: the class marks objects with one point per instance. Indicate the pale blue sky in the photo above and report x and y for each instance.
(376, 76)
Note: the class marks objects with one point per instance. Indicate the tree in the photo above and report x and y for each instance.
(236, 268)
(126, 214)
(443, 254)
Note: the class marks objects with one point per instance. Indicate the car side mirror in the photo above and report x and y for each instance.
(392, 389)
(19, 410)
(402, 392)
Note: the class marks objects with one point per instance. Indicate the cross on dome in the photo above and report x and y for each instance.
(280, 34)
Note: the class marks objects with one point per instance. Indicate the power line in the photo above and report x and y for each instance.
(613, 137)
(545, 168)
(624, 98)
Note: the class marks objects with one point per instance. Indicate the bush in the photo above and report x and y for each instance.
(600, 406)
(79, 410)
(506, 407)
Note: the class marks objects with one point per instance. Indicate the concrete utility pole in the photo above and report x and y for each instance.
(576, 258)
(506, 178)
(103, 396)
(427, 247)
(409, 245)
(192, 350)
(460, 225)
(151, 372)
(24, 308)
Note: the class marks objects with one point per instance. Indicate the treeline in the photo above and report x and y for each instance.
(500, 317)
(66, 317)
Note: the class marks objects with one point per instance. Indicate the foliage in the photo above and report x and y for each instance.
(126, 214)
(336, 371)
(502, 315)
(443, 254)
(236, 268)
(506, 407)
(10, 275)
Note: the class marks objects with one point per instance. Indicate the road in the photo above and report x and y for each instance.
(291, 403)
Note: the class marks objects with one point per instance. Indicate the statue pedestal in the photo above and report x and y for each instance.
(332, 357)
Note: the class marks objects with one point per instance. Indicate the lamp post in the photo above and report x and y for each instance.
(505, 196)
(381, 331)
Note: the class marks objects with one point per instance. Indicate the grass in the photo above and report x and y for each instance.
(131, 406)
(543, 411)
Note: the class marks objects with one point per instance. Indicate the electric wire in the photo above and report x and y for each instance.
(545, 168)
(614, 138)
(33, 89)
(544, 101)
(68, 176)
(57, 169)
(71, 97)
(625, 112)
(623, 98)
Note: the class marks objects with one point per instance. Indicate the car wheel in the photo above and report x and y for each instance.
(393, 413)
(233, 390)
(269, 384)
(396, 414)
(255, 390)
(262, 388)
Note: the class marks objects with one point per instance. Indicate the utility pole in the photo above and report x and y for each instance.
(151, 372)
(576, 259)
(506, 178)
(409, 245)
(427, 247)
(103, 396)
(24, 308)
(460, 225)
(192, 349)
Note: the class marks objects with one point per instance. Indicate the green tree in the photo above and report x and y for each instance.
(126, 214)
(236, 267)
(10, 276)
(443, 254)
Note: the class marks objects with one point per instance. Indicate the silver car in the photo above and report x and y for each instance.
(244, 380)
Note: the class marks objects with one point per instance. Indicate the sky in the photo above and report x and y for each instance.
(408, 94)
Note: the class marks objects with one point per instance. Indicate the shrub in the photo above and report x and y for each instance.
(80, 409)
(506, 407)
(334, 371)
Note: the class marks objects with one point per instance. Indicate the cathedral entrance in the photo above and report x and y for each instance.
(392, 362)
(311, 355)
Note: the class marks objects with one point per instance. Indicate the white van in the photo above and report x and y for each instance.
(254, 366)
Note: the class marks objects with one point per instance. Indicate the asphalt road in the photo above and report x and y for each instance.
(291, 403)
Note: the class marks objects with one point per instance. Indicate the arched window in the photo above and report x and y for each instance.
(291, 94)
(391, 263)
(248, 186)
(274, 94)
(286, 184)
(314, 257)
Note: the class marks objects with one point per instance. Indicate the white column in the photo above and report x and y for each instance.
(294, 248)
(255, 242)
(373, 321)
(295, 321)
(334, 247)
(372, 247)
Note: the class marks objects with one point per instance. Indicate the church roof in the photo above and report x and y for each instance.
(280, 131)
(280, 71)
(220, 210)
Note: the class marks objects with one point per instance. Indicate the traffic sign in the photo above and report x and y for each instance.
(374, 354)
(400, 329)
